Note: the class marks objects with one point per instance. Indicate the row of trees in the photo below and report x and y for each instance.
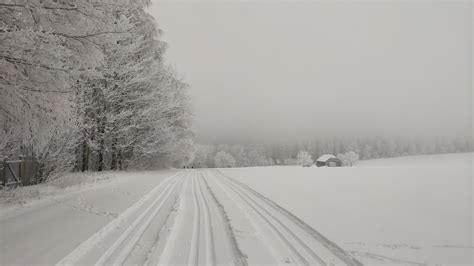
(83, 86)
(344, 148)
(230, 156)
(369, 148)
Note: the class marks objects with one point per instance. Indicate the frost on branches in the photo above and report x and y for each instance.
(83, 86)
(304, 158)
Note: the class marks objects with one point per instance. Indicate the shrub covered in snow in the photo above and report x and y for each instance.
(349, 158)
(304, 159)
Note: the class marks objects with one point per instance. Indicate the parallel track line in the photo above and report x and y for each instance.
(276, 255)
(193, 258)
(130, 244)
(300, 259)
(318, 237)
(288, 230)
(210, 249)
(85, 247)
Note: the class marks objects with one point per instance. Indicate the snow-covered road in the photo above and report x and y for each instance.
(193, 217)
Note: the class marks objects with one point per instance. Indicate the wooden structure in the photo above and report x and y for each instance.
(328, 160)
(19, 172)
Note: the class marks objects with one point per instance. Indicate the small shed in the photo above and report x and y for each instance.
(328, 160)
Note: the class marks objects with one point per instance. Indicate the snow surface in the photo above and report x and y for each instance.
(192, 217)
(392, 211)
(409, 210)
(44, 231)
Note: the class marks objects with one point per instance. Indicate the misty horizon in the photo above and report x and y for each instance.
(286, 72)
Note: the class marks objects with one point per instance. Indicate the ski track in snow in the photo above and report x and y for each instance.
(83, 249)
(200, 232)
(210, 249)
(194, 250)
(289, 238)
(317, 239)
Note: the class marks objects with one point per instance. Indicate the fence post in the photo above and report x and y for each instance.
(3, 172)
(20, 157)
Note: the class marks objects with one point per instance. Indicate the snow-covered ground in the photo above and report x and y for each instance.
(45, 230)
(410, 210)
(193, 217)
(382, 211)
(201, 217)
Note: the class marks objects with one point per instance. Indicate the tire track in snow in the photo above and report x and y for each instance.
(277, 256)
(173, 240)
(298, 257)
(319, 238)
(155, 208)
(209, 237)
(152, 256)
(193, 258)
(87, 246)
(284, 230)
(238, 257)
(199, 234)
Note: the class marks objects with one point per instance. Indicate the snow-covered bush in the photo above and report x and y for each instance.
(304, 159)
(353, 157)
(224, 159)
(349, 158)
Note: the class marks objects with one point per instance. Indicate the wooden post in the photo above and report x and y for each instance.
(20, 175)
(3, 173)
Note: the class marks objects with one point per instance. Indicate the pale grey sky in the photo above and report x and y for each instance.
(263, 70)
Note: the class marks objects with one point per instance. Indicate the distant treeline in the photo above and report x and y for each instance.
(244, 155)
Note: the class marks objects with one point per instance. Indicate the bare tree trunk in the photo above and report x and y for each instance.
(100, 160)
(101, 136)
(101, 123)
(119, 159)
(78, 159)
(85, 155)
(113, 163)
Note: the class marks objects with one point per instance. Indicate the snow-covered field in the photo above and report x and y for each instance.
(410, 210)
(393, 211)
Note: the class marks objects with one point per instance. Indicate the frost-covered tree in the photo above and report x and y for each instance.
(349, 158)
(343, 158)
(367, 152)
(85, 82)
(353, 157)
(224, 159)
(139, 113)
(45, 45)
(304, 158)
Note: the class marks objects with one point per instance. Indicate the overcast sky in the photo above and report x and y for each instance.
(261, 70)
